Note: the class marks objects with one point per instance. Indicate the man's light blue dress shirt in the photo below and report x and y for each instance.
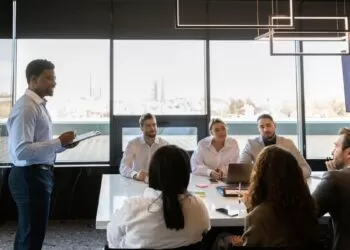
(29, 127)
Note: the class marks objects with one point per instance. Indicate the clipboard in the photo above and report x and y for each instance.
(86, 136)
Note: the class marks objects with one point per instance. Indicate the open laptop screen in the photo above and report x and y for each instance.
(238, 173)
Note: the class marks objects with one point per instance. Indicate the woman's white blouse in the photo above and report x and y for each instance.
(205, 158)
(139, 223)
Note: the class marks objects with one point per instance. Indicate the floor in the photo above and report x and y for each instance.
(67, 235)
(82, 235)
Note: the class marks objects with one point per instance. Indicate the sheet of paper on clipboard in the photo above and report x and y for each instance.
(86, 136)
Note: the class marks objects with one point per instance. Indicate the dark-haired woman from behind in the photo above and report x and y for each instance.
(281, 209)
(166, 216)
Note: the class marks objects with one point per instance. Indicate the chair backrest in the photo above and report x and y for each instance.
(195, 246)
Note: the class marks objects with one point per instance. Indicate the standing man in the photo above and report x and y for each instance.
(32, 153)
(332, 195)
(267, 130)
(139, 151)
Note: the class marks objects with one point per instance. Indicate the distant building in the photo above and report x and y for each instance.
(154, 91)
(95, 90)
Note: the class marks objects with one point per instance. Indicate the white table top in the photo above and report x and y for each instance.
(116, 188)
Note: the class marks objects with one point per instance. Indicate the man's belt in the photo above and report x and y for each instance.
(42, 166)
(39, 166)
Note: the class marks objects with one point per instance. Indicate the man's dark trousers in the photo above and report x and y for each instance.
(31, 190)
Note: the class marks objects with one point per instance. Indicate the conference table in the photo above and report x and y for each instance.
(116, 188)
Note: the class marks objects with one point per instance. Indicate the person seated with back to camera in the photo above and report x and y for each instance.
(215, 152)
(281, 210)
(166, 215)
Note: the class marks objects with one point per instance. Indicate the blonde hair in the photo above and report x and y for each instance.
(214, 121)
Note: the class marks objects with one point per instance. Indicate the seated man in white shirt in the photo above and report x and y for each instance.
(166, 216)
(214, 153)
(139, 151)
(267, 129)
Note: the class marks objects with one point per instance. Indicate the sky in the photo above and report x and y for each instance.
(239, 69)
(77, 63)
(180, 65)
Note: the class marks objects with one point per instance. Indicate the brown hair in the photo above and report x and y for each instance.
(215, 120)
(278, 179)
(144, 117)
(346, 139)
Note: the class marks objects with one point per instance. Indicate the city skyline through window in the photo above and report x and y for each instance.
(167, 77)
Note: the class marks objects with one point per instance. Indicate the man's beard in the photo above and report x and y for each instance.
(151, 136)
(339, 165)
(271, 137)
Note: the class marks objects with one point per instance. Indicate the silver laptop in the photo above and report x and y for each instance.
(238, 173)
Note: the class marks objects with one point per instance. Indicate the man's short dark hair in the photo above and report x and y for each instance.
(346, 139)
(36, 67)
(144, 117)
(264, 116)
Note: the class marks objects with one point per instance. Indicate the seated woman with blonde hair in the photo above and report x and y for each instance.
(215, 152)
(167, 215)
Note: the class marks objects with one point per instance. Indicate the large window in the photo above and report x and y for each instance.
(5, 94)
(162, 77)
(81, 98)
(324, 98)
(246, 81)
